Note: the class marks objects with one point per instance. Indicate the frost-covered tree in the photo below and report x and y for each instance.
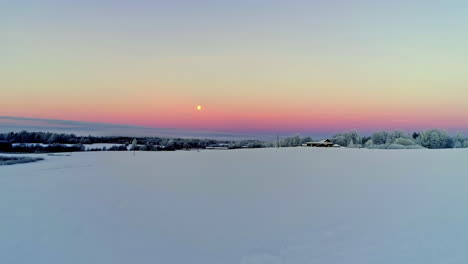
(340, 140)
(369, 144)
(52, 138)
(459, 141)
(392, 136)
(306, 139)
(344, 139)
(293, 141)
(364, 140)
(379, 138)
(134, 145)
(435, 139)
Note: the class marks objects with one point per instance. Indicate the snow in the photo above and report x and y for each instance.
(289, 205)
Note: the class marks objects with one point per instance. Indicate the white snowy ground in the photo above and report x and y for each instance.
(295, 205)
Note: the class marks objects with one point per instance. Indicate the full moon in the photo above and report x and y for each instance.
(199, 107)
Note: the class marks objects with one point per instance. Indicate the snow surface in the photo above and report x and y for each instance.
(290, 205)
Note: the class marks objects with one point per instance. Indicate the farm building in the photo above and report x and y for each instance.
(326, 143)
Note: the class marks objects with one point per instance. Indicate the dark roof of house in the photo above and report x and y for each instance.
(324, 141)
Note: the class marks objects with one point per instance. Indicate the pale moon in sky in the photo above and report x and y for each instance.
(199, 107)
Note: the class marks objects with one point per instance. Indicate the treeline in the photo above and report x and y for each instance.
(56, 138)
(294, 141)
(180, 144)
(31, 142)
(431, 139)
(40, 142)
(38, 148)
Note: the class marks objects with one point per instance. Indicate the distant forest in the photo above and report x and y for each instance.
(41, 142)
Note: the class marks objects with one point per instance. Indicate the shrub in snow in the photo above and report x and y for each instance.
(364, 140)
(399, 146)
(404, 141)
(380, 146)
(395, 146)
(369, 144)
(143, 148)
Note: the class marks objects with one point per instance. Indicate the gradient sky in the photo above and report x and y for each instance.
(290, 66)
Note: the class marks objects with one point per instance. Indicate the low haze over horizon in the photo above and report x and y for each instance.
(244, 66)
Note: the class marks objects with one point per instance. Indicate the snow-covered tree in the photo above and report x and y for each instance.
(134, 145)
(293, 141)
(344, 139)
(340, 140)
(435, 139)
(379, 138)
(457, 144)
(459, 141)
(392, 136)
(369, 144)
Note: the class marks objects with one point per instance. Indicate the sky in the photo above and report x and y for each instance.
(254, 66)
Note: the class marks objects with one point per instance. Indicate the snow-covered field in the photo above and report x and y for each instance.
(295, 205)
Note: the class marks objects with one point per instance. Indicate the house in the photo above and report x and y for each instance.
(326, 143)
